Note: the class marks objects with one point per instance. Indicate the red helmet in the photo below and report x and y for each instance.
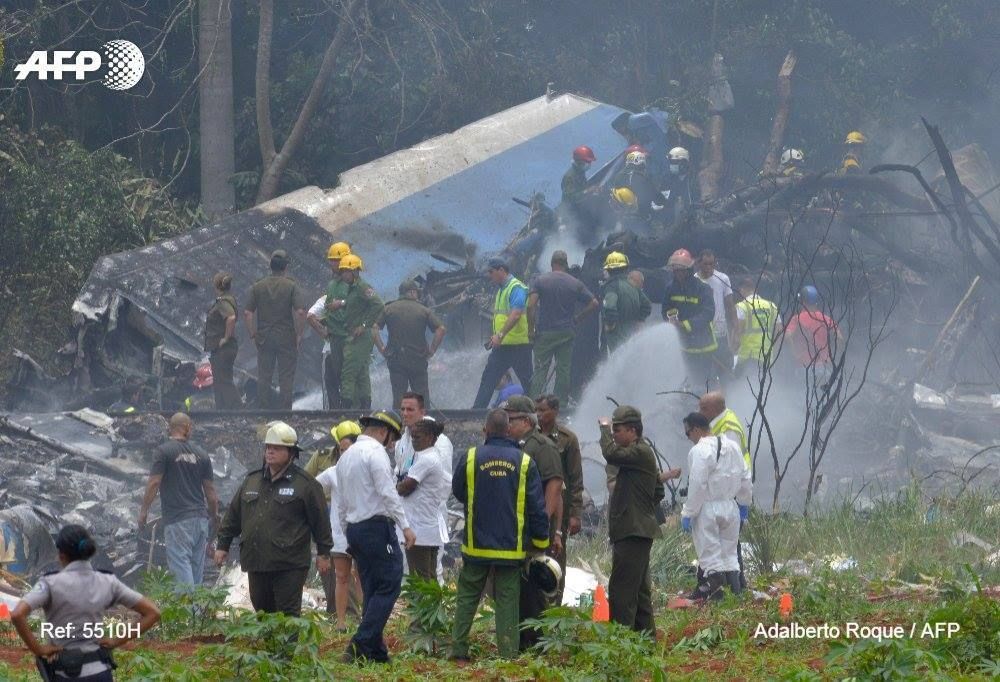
(636, 148)
(203, 377)
(681, 258)
(584, 154)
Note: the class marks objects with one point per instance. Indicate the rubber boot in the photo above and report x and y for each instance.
(716, 582)
(734, 580)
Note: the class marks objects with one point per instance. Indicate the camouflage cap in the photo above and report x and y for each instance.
(518, 404)
(626, 414)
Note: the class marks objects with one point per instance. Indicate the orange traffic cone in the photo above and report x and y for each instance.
(785, 606)
(4, 611)
(602, 611)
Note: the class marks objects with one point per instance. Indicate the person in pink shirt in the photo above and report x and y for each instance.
(809, 332)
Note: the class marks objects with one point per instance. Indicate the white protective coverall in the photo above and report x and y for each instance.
(717, 479)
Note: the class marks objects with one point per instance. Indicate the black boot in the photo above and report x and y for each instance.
(716, 582)
(733, 578)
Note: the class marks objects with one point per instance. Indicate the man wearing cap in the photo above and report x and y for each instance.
(279, 307)
(406, 352)
(632, 524)
(369, 508)
(689, 305)
(278, 512)
(510, 345)
(524, 431)
(362, 308)
(557, 302)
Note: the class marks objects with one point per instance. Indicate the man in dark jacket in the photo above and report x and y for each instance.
(278, 513)
(632, 524)
(501, 491)
(689, 305)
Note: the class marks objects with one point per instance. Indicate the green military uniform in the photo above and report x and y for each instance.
(407, 322)
(568, 446)
(320, 460)
(632, 525)
(543, 452)
(275, 299)
(362, 309)
(624, 307)
(335, 322)
(277, 522)
(222, 358)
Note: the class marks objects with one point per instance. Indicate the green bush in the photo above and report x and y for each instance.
(431, 611)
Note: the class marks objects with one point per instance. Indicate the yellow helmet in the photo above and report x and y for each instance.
(851, 163)
(855, 137)
(338, 250)
(615, 260)
(351, 262)
(345, 429)
(625, 196)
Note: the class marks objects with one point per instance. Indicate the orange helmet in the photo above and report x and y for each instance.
(681, 258)
(584, 154)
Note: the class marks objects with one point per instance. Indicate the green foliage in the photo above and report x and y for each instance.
(185, 612)
(827, 595)
(602, 650)
(431, 610)
(894, 659)
(977, 643)
(703, 640)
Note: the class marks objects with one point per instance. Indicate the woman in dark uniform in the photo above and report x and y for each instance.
(74, 600)
(220, 341)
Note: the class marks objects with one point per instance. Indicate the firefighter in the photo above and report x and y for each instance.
(574, 182)
(624, 307)
(791, 163)
(334, 323)
(854, 153)
(688, 304)
(362, 307)
(677, 190)
(501, 491)
(635, 177)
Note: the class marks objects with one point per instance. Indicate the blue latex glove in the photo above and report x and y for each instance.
(686, 524)
(744, 512)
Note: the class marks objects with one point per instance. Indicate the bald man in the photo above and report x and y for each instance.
(724, 422)
(182, 473)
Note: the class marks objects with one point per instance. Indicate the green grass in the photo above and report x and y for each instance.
(894, 544)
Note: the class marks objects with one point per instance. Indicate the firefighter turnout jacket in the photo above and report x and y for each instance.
(693, 303)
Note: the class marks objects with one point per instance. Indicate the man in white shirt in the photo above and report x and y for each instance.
(369, 509)
(315, 319)
(411, 408)
(422, 488)
(725, 310)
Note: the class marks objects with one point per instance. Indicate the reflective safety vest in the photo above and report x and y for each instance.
(501, 311)
(728, 421)
(759, 316)
(490, 536)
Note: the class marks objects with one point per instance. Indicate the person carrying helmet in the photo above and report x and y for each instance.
(624, 307)
(275, 316)
(853, 153)
(369, 509)
(328, 318)
(635, 177)
(632, 523)
(278, 513)
(689, 305)
(362, 307)
(500, 489)
(719, 489)
(791, 163)
(340, 585)
(812, 333)
(406, 351)
(524, 430)
(677, 190)
(202, 399)
(757, 323)
(624, 205)
(220, 343)
(510, 344)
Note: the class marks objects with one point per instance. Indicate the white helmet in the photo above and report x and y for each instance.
(635, 159)
(792, 155)
(544, 573)
(679, 154)
(280, 433)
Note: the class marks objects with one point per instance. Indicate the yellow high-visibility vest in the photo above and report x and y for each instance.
(728, 421)
(501, 311)
(759, 317)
